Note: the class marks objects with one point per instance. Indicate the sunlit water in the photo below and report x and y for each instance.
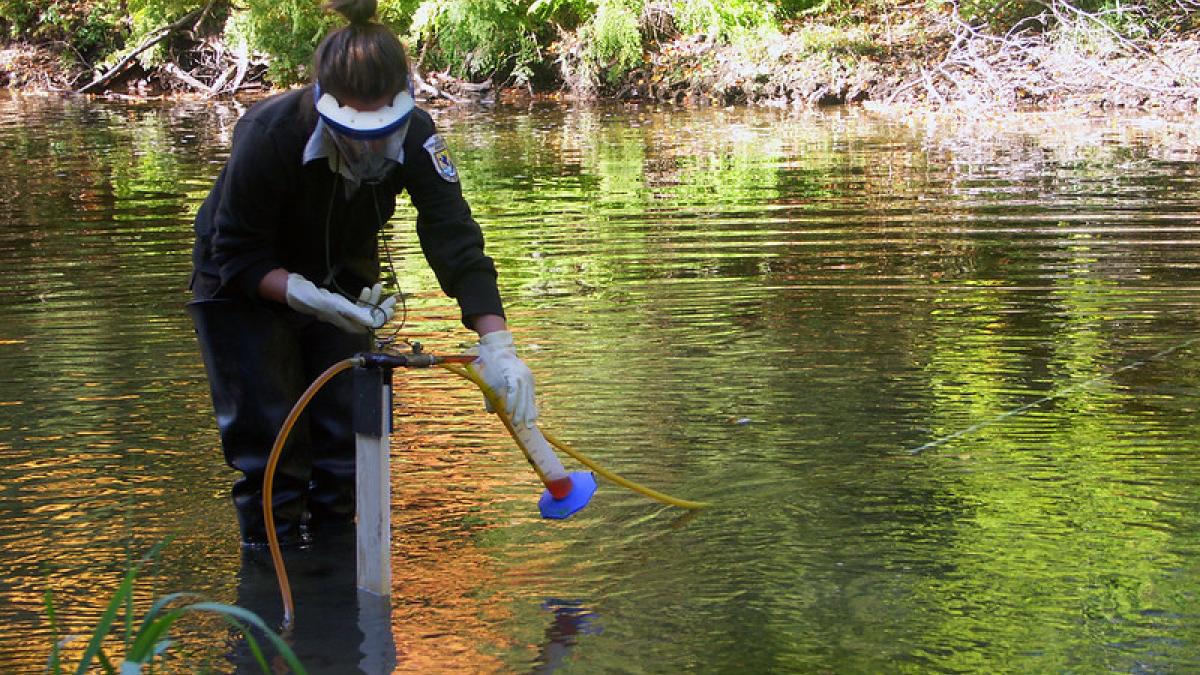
(940, 384)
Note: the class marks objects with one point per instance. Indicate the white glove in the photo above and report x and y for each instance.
(508, 376)
(368, 313)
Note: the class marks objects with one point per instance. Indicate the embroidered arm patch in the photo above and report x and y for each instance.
(440, 154)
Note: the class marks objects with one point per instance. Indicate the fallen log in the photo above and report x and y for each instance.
(421, 85)
(158, 35)
(188, 79)
(243, 65)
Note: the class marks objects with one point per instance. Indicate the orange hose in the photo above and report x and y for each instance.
(285, 588)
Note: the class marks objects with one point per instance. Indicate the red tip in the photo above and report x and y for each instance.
(560, 488)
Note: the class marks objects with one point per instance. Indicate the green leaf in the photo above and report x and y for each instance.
(255, 650)
(128, 620)
(142, 643)
(106, 621)
(251, 618)
(105, 664)
(55, 664)
(123, 596)
(142, 650)
(156, 549)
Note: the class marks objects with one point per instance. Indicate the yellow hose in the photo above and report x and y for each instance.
(285, 588)
(498, 405)
(624, 482)
(467, 372)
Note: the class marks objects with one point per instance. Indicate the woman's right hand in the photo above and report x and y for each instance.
(354, 317)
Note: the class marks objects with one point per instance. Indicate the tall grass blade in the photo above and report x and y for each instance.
(158, 606)
(251, 618)
(252, 643)
(142, 650)
(105, 664)
(153, 629)
(149, 638)
(128, 637)
(54, 667)
(131, 637)
(162, 646)
(106, 621)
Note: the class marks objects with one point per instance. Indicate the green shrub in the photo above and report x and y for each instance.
(289, 31)
(591, 43)
(726, 20)
(568, 14)
(787, 9)
(612, 40)
(477, 39)
(998, 14)
(17, 17)
(90, 27)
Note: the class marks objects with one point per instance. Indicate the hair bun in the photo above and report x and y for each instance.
(355, 11)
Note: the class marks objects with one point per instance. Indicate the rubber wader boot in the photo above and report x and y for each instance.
(331, 426)
(252, 354)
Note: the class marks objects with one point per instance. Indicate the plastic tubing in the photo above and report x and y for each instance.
(547, 465)
(533, 444)
(469, 373)
(625, 482)
(285, 588)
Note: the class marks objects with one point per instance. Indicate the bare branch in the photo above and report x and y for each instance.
(188, 79)
(158, 35)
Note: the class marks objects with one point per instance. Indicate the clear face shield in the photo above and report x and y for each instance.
(367, 160)
(368, 140)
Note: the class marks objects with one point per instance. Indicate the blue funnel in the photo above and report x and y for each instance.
(583, 486)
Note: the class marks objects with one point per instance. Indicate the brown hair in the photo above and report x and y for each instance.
(364, 60)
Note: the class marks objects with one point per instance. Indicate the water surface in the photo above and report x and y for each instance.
(940, 384)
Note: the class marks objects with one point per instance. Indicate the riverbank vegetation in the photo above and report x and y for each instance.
(967, 54)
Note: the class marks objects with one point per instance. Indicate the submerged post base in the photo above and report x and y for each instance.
(583, 486)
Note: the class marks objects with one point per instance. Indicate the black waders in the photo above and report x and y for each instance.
(260, 357)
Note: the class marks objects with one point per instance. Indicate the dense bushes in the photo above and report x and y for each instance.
(1148, 17)
(586, 45)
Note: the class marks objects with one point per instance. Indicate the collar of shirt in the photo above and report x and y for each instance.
(320, 146)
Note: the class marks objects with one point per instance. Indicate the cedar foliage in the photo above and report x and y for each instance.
(588, 46)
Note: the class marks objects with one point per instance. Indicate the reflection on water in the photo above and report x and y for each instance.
(571, 620)
(765, 310)
(343, 629)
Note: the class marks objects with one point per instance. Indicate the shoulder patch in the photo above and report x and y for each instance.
(440, 154)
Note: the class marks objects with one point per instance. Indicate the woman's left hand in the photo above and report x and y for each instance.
(508, 376)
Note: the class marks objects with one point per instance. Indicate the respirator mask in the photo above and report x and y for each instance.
(368, 142)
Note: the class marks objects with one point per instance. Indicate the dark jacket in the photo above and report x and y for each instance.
(268, 209)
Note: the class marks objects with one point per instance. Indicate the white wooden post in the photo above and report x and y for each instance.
(373, 425)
